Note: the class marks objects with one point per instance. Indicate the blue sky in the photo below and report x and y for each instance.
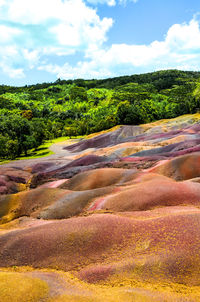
(42, 40)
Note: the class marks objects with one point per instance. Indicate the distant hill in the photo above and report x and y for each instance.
(158, 78)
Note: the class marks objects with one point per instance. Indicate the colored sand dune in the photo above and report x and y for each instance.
(115, 217)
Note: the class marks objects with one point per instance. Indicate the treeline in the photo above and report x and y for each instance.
(30, 115)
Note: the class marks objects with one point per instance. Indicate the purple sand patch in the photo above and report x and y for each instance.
(184, 152)
(82, 161)
(3, 180)
(41, 167)
(65, 172)
(87, 160)
(177, 148)
(100, 141)
(122, 135)
(17, 179)
(3, 190)
(195, 127)
(143, 159)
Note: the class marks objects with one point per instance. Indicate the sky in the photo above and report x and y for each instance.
(43, 40)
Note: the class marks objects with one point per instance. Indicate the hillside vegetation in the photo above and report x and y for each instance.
(31, 114)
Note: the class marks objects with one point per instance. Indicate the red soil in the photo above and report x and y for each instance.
(150, 194)
(100, 178)
(180, 168)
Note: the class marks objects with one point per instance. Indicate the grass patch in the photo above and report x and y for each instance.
(43, 150)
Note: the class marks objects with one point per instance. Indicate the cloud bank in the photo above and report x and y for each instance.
(180, 49)
(111, 2)
(34, 34)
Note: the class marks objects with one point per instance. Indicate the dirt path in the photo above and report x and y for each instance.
(60, 156)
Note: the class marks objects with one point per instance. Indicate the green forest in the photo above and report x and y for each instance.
(30, 115)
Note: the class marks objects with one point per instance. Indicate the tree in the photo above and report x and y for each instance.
(70, 131)
(78, 94)
(27, 114)
(11, 149)
(39, 131)
(28, 143)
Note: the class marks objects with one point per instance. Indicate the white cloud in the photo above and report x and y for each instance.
(52, 68)
(81, 34)
(185, 36)
(32, 57)
(181, 44)
(111, 2)
(108, 2)
(38, 11)
(13, 73)
(59, 51)
(2, 2)
(67, 34)
(81, 70)
(7, 55)
(43, 27)
(124, 2)
(7, 33)
(179, 49)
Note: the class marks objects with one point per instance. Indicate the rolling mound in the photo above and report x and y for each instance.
(150, 194)
(114, 217)
(104, 246)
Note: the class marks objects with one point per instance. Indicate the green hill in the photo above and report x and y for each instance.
(31, 114)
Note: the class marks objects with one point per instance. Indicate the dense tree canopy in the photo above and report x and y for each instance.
(31, 114)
